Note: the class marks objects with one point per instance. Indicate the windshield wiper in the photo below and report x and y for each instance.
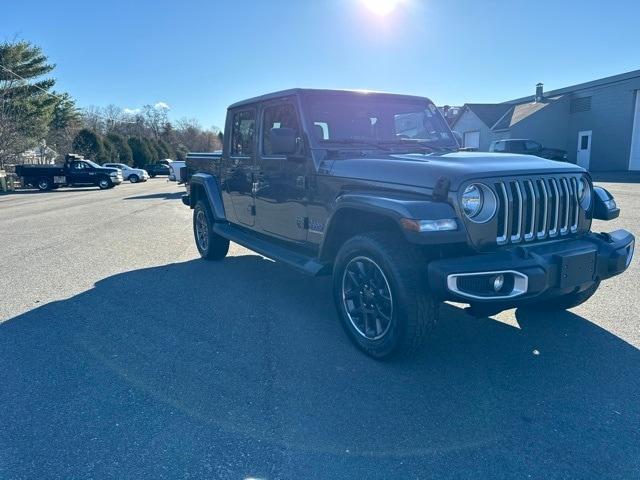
(355, 141)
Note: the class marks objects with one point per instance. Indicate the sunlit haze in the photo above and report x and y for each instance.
(381, 7)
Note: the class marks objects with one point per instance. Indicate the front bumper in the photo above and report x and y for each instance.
(116, 180)
(532, 273)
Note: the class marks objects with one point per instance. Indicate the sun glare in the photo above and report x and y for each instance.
(381, 7)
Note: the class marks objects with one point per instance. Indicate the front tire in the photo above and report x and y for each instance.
(211, 246)
(379, 288)
(44, 184)
(104, 184)
(134, 178)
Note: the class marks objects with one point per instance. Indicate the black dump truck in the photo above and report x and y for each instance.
(371, 189)
(76, 171)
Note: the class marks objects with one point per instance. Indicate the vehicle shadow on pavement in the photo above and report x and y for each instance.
(239, 369)
(161, 196)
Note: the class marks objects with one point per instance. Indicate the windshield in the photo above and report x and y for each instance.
(92, 163)
(376, 120)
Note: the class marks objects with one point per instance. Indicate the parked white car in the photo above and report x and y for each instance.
(134, 175)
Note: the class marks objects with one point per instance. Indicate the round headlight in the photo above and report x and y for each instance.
(471, 201)
(584, 193)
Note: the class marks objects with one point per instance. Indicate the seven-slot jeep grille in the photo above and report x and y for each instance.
(536, 208)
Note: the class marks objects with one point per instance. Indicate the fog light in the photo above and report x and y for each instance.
(498, 283)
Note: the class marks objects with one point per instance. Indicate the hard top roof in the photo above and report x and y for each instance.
(298, 91)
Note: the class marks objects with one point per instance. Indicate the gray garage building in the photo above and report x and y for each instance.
(597, 123)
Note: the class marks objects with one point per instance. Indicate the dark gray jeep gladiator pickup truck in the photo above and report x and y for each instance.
(371, 189)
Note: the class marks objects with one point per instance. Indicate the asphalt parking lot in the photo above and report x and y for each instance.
(122, 355)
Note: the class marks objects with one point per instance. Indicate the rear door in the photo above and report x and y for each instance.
(240, 165)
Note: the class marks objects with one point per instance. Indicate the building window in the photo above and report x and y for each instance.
(472, 139)
(582, 104)
(584, 142)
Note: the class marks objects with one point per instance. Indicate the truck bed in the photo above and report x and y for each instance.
(39, 170)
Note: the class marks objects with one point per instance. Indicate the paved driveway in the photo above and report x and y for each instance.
(122, 355)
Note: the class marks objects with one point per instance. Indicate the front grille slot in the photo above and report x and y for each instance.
(530, 209)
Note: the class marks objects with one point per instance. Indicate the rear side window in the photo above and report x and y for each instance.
(278, 116)
(517, 147)
(243, 132)
(499, 147)
(531, 145)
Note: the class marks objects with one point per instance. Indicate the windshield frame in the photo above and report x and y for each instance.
(379, 144)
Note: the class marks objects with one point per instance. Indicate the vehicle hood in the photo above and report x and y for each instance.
(108, 170)
(424, 170)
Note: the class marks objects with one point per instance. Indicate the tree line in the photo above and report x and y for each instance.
(34, 114)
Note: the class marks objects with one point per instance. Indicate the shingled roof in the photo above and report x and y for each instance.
(502, 116)
(521, 111)
(488, 113)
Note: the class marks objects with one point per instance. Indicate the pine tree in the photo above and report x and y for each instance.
(122, 147)
(141, 154)
(25, 108)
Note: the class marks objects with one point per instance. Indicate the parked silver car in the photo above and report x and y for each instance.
(134, 175)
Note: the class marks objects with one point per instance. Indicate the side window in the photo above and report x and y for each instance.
(277, 116)
(499, 147)
(242, 133)
(517, 147)
(532, 146)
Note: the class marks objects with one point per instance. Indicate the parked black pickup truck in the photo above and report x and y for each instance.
(371, 189)
(528, 147)
(76, 171)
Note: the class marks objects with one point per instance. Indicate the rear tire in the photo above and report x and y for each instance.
(44, 184)
(210, 245)
(134, 178)
(380, 292)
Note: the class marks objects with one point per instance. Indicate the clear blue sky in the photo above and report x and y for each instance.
(200, 56)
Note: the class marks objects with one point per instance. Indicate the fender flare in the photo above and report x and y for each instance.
(209, 184)
(397, 208)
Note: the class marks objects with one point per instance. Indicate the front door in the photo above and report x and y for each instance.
(239, 167)
(280, 185)
(80, 173)
(584, 149)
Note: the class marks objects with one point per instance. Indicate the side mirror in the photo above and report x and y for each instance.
(458, 137)
(283, 141)
(604, 206)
